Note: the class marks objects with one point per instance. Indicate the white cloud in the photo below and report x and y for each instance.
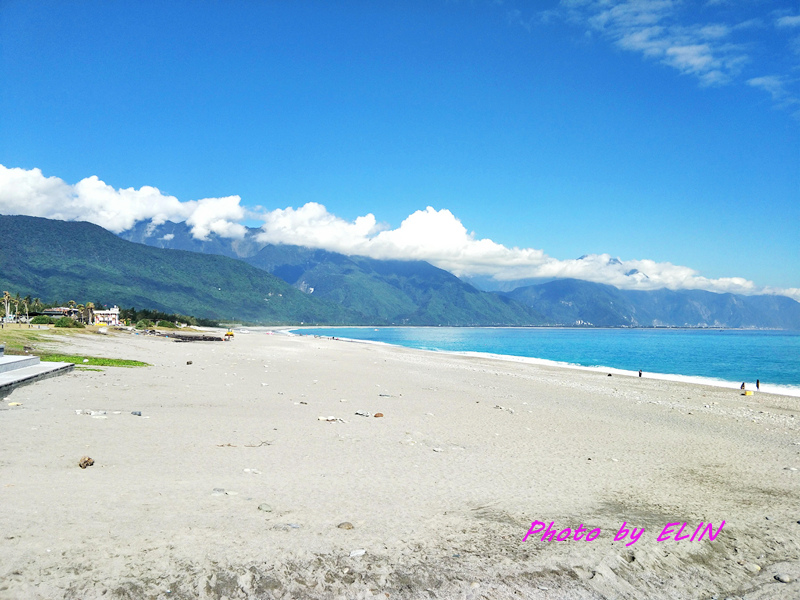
(436, 236)
(789, 21)
(666, 30)
(769, 83)
(696, 58)
(706, 44)
(313, 224)
(777, 88)
(29, 192)
(216, 215)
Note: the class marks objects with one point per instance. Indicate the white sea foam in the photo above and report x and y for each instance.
(784, 390)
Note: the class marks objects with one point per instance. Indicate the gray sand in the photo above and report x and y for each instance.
(230, 484)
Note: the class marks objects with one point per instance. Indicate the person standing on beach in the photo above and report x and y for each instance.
(758, 384)
(741, 388)
(640, 372)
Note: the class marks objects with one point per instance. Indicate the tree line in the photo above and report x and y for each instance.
(27, 305)
(134, 316)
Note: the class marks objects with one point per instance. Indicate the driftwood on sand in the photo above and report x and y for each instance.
(180, 337)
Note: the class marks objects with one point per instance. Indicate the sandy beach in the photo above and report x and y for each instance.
(233, 483)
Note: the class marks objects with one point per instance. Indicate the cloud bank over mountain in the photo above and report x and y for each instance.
(29, 192)
(436, 236)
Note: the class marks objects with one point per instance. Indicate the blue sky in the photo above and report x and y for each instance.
(661, 132)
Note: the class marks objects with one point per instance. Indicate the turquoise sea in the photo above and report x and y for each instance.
(717, 356)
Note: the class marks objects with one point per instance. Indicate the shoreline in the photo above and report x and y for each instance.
(229, 484)
(766, 388)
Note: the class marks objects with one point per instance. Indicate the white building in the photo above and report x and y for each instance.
(107, 317)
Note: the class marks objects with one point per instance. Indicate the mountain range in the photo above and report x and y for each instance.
(59, 260)
(164, 267)
(361, 283)
(586, 303)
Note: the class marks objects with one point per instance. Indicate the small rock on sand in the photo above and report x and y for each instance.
(345, 525)
(264, 508)
(752, 568)
(85, 461)
(377, 415)
(783, 578)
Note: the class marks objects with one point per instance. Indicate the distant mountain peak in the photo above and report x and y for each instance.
(634, 272)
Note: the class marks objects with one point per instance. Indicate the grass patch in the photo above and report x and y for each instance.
(92, 360)
(17, 337)
(82, 368)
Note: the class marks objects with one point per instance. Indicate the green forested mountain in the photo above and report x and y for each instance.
(415, 292)
(391, 291)
(57, 260)
(178, 236)
(258, 282)
(60, 260)
(377, 291)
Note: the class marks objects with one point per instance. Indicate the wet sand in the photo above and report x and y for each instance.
(230, 485)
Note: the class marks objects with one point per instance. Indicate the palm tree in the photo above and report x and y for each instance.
(6, 300)
(26, 302)
(80, 308)
(90, 312)
(15, 302)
